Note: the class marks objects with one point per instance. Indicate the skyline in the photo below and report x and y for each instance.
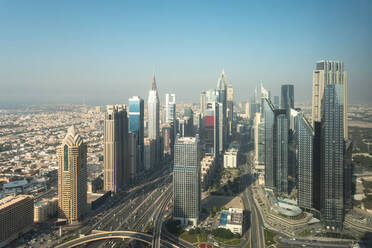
(63, 52)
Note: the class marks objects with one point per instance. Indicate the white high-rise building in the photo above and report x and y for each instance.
(186, 181)
(153, 111)
(170, 107)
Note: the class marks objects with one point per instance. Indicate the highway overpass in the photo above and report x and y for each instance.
(144, 237)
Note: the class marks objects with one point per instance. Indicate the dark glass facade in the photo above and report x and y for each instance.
(332, 157)
(287, 97)
(136, 125)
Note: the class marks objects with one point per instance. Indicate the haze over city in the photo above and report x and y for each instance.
(104, 52)
(196, 124)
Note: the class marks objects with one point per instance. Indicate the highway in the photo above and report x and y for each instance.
(144, 237)
(158, 220)
(311, 243)
(122, 215)
(136, 216)
(257, 238)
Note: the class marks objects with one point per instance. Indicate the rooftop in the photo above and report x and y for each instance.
(10, 200)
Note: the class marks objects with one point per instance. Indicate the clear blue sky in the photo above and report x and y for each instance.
(106, 51)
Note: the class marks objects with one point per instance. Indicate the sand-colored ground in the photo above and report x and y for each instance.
(219, 201)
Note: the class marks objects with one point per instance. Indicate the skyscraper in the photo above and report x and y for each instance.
(305, 146)
(276, 101)
(276, 128)
(170, 108)
(281, 151)
(203, 103)
(168, 138)
(287, 97)
(211, 134)
(328, 72)
(133, 157)
(136, 122)
(153, 118)
(221, 98)
(332, 156)
(269, 121)
(72, 177)
(153, 111)
(259, 142)
(186, 181)
(230, 108)
(116, 163)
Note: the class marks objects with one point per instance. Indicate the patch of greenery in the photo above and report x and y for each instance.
(191, 238)
(195, 235)
(224, 233)
(233, 241)
(367, 202)
(174, 227)
(269, 237)
(304, 233)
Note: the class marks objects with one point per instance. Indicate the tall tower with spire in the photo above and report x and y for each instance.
(153, 111)
(153, 116)
(221, 98)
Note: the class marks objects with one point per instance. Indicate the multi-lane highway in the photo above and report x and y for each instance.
(143, 237)
(158, 220)
(257, 238)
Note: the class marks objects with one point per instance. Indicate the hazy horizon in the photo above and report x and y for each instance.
(105, 52)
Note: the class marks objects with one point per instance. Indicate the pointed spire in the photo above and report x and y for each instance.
(221, 84)
(71, 130)
(153, 85)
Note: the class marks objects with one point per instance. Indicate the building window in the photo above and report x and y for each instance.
(65, 159)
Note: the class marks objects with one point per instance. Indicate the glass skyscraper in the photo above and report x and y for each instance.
(269, 120)
(304, 143)
(281, 151)
(136, 125)
(332, 157)
(287, 97)
(329, 72)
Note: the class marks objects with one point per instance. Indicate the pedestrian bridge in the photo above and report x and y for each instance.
(102, 235)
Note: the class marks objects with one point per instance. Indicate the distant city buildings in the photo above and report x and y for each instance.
(170, 108)
(230, 108)
(203, 102)
(72, 177)
(186, 181)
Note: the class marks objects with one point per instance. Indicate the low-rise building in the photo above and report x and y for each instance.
(95, 185)
(16, 217)
(230, 159)
(232, 219)
(207, 170)
(45, 209)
